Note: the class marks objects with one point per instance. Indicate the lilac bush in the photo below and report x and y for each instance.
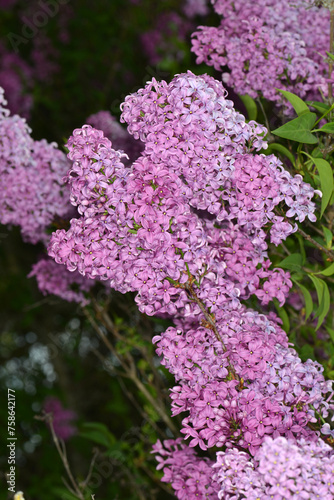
(186, 210)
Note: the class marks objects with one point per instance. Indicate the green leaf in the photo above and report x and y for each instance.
(250, 106)
(316, 153)
(323, 299)
(307, 298)
(281, 149)
(328, 128)
(301, 246)
(299, 106)
(306, 352)
(292, 262)
(63, 494)
(328, 271)
(324, 306)
(331, 333)
(283, 315)
(320, 106)
(326, 181)
(328, 237)
(299, 129)
(319, 286)
(331, 56)
(99, 433)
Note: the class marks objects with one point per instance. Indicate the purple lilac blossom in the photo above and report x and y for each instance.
(190, 476)
(194, 8)
(61, 418)
(267, 45)
(33, 196)
(32, 191)
(57, 280)
(139, 228)
(280, 393)
(281, 469)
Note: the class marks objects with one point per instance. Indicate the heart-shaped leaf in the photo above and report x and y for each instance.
(299, 129)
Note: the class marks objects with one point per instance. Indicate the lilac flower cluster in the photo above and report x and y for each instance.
(194, 8)
(33, 196)
(281, 469)
(61, 418)
(280, 395)
(144, 228)
(266, 45)
(32, 193)
(191, 476)
(57, 280)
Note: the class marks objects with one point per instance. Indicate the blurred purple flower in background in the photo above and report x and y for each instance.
(62, 418)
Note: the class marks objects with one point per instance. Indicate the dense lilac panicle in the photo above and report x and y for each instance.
(266, 45)
(145, 227)
(179, 112)
(125, 235)
(185, 227)
(280, 394)
(57, 280)
(191, 125)
(189, 475)
(120, 138)
(32, 192)
(281, 469)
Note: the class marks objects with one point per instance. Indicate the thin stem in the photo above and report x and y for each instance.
(60, 445)
(309, 238)
(211, 322)
(106, 341)
(140, 410)
(130, 372)
(104, 317)
(156, 480)
(91, 467)
(264, 114)
(156, 406)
